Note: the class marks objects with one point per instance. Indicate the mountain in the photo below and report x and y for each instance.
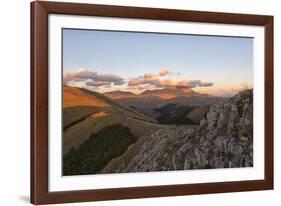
(88, 102)
(119, 94)
(77, 105)
(176, 114)
(169, 93)
(169, 105)
(156, 102)
(86, 113)
(100, 135)
(151, 99)
(73, 96)
(224, 139)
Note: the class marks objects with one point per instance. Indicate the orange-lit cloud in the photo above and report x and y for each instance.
(161, 81)
(164, 72)
(107, 81)
(92, 78)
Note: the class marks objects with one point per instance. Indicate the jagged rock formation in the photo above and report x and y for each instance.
(224, 139)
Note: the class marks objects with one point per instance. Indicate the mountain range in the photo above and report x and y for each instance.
(165, 93)
(160, 97)
(113, 132)
(224, 139)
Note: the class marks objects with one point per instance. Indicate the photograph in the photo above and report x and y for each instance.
(152, 102)
(131, 102)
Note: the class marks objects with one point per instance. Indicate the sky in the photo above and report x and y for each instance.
(136, 61)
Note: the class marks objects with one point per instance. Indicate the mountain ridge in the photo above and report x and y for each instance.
(224, 139)
(119, 94)
(164, 93)
(80, 122)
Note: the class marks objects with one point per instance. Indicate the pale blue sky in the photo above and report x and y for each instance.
(226, 61)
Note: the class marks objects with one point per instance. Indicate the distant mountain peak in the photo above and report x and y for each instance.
(119, 94)
(170, 92)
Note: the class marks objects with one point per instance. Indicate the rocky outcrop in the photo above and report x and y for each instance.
(224, 139)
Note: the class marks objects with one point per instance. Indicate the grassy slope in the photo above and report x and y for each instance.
(96, 112)
(197, 114)
(78, 105)
(174, 114)
(81, 131)
(73, 115)
(94, 154)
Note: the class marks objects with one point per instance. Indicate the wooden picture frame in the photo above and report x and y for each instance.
(40, 193)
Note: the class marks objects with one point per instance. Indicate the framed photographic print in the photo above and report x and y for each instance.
(131, 102)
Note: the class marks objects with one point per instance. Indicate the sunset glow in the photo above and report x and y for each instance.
(105, 61)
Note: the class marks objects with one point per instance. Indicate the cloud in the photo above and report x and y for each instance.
(194, 82)
(151, 79)
(164, 72)
(105, 81)
(159, 81)
(206, 84)
(90, 82)
(92, 78)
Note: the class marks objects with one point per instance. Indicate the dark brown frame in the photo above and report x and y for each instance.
(39, 102)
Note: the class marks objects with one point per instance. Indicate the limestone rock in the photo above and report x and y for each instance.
(224, 139)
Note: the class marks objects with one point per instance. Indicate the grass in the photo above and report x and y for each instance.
(94, 154)
(81, 131)
(197, 114)
(174, 114)
(80, 121)
(73, 115)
